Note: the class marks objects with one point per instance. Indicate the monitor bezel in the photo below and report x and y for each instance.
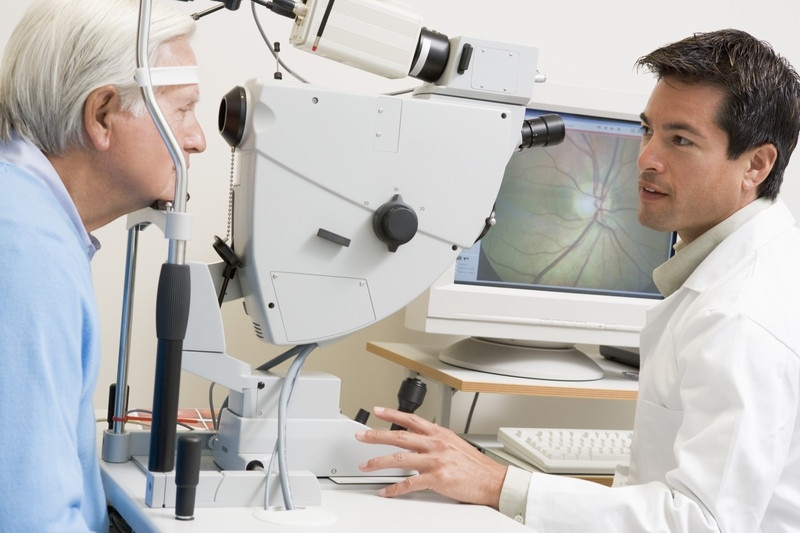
(510, 314)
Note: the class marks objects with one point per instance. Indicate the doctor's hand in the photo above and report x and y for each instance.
(446, 463)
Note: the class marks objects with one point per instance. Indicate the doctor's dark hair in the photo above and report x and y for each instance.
(761, 102)
(61, 51)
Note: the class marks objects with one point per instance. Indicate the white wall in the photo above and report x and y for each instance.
(584, 43)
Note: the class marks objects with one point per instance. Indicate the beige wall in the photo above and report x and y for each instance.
(584, 43)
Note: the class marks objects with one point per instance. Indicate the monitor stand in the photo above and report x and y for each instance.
(525, 360)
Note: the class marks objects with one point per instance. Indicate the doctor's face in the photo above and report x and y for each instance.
(687, 183)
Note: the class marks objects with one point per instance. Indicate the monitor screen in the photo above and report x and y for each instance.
(566, 263)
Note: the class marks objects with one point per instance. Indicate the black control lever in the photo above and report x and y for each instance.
(232, 262)
(410, 397)
(187, 475)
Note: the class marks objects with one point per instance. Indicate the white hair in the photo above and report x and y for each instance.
(61, 51)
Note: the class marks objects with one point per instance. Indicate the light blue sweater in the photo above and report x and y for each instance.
(49, 353)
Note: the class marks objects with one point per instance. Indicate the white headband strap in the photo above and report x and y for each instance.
(160, 76)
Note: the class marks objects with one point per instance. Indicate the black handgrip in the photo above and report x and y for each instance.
(172, 315)
(410, 397)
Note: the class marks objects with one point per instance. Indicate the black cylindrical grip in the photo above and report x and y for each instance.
(172, 315)
(410, 397)
(411, 394)
(166, 390)
(187, 475)
(172, 304)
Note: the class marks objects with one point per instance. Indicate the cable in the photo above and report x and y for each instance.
(285, 8)
(222, 408)
(269, 471)
(184, 422)
(271, 48)
(271, 465)
(266, 366)
(471, 412)
(214, 424)
(285, 356)
(283, 406)
(286, 67)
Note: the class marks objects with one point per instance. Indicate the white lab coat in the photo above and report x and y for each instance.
(717, 428)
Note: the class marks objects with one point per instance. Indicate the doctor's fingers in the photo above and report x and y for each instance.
(407, 486)
(406, 440)
(401, 459)
(409, 421)
(422, 453)
(442, 474)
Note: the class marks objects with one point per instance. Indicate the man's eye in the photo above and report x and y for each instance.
(645, 130)
(682, 141)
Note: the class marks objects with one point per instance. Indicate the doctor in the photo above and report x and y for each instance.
(716, 442)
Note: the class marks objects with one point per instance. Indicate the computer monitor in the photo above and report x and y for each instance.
(566, 263)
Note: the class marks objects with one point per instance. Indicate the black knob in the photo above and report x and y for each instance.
(362, 416)
(410, 397)
(187, 475)
(395, 223)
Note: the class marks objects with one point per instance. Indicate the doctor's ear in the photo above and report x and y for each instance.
(99, 108)
(761, 158)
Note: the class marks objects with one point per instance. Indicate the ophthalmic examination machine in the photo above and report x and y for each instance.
(346, 207)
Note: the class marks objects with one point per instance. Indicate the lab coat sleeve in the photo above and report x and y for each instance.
(737, 399)
(514, 494)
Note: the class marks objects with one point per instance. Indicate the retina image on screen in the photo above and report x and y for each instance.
(567, 261)
(566, 218)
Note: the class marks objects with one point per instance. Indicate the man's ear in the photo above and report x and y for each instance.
(762, 159)
(100, 106)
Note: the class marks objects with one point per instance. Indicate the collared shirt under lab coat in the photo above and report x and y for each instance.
(717, 427)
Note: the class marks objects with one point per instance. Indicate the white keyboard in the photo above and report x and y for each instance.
(568, 451)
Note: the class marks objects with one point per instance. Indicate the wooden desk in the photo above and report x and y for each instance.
(424, 360)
